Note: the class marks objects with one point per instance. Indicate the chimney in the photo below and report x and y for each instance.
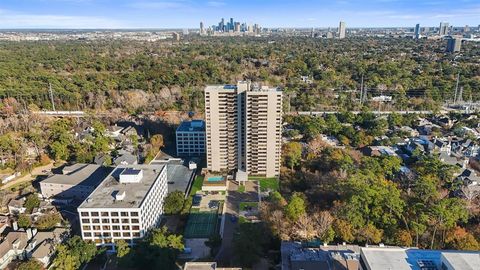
(29, 233)
(15, 226)
(34, 232)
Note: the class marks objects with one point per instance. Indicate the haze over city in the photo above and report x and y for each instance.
(95, 14)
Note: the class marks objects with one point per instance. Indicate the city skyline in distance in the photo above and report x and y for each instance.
(156, 14)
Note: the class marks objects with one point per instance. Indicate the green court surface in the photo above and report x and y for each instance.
(201, 224)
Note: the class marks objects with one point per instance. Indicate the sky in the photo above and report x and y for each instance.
(85, 14)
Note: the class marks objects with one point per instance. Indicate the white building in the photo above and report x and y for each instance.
(191, 138)
(127, 203)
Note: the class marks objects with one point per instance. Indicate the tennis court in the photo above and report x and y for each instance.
(201, 224)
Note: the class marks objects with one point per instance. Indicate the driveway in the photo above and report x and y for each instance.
(225, 255)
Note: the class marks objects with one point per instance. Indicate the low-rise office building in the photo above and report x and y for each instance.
(126, 204)
(191, 138)
(76, 181)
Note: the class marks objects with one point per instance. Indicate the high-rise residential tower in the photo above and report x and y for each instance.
(243, 129)
(454, 45)
(443, 29)
(341, 30)
(417, 31)
(202, 29)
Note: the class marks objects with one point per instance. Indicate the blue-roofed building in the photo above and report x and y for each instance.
(191, 138)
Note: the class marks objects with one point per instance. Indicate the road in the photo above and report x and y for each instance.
(28, 177)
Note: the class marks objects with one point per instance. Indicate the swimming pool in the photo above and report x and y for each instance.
(215, 179)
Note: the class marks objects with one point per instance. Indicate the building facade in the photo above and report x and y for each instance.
(190, 137)
(127, 204)
(454, 45)
(341, 30)
(243, 128)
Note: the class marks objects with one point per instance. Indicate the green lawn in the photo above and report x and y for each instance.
(241, 189)
(197, 185)
(267, 183)
(244, 205)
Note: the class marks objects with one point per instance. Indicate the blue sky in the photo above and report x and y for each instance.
(268, 13)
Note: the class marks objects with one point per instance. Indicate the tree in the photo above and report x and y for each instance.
(24, 221)
(31, 202)
(248, 252)
(157, 141)
(459, 238)
(296, 207)
(174, 203)
(370, 234)
(48, 221)
(72, 254)
(403, 238)
(292, 153)
(122, 248)
(158, 250)
(344, 230)
(31, 264)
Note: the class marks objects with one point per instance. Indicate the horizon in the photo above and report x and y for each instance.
(181, 14)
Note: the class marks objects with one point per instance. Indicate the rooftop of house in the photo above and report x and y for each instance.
(104, 196)
(45, 242)
(194, 125)
(384, 258)
(80, 174)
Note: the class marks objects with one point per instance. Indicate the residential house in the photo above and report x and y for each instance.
(15, 206)
(13, 247)
(42, 246)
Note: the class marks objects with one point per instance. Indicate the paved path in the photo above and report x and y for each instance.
(28, 177)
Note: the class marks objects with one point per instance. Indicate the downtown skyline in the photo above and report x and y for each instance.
(123, 14)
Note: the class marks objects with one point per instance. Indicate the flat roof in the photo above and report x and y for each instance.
(194, 125)
(103, 195)
(463, 260)
(382, 258)
(81, 174)
(179, 177)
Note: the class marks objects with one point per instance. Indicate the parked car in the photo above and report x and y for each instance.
(213, 204)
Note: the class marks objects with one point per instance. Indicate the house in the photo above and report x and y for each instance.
(125, 158)
(15, 206)
(42, 246)
(4, 223)
(13, 247)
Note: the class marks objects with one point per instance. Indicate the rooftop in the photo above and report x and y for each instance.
(80, 174)
(385, 258)
(179, 177)
(194, 125)
(104, 195)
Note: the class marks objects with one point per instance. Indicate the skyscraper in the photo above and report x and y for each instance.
(202, 30)
(417, 31)
(341, 30)
(443, 29)
(243, 129)
(454, 45)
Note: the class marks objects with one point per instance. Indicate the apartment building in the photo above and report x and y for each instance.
(243, 128)
(127, 203)
(190, 137)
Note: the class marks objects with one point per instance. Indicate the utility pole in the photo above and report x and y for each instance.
(456, 90)
(50, 91)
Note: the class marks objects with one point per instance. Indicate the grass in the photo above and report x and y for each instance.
(197, 185)
(244, 205)
(241, 189)
(267, 183)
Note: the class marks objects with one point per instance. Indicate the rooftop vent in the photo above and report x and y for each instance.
(131, 175)
(119, 195)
